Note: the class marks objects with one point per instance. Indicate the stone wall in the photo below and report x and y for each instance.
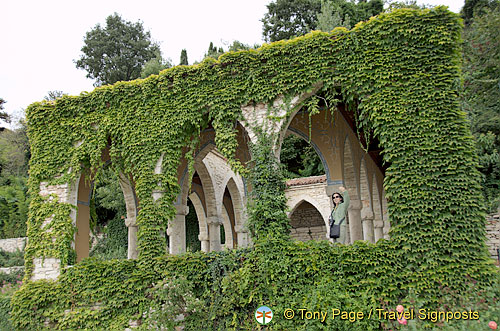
(307, 223)
(12, 244)
(10, 270)
(493, 234)
(312, 233)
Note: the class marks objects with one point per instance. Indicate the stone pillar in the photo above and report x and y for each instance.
(367, 222)
(242, 235)
(355, 227)
(205, 243)
(132, 238)
(50, 267)
(379, 229)
(176, 231)
(214, 224)
(387, 225)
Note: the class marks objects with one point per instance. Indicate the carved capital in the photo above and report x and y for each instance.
(214, 220)
(367, 214)
(203, 237)
(130, 222)
(182, 210)
(355, 204)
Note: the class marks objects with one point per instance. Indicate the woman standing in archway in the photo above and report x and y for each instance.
(338, 226)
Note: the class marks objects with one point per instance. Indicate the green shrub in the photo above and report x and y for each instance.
(11, 259)
(9, 283)
(113, 245)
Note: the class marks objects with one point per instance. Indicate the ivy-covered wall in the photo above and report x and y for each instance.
(398, 72)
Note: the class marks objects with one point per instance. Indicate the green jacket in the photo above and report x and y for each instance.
(339, 212)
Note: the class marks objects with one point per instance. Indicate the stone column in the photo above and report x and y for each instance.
(214, 224)
(367, 221)
(50, 267)
(387, 225)
(355, 227)
(205, 243)
(176, 231)
(132, 238)
(242, 235)
(379, 229)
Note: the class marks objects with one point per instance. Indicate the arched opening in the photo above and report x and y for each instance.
(227, 228)
(193, 243)
(299, 157)
(306, 177)
(307, 223)
(109, 234)
(105, 217)
(341, 147)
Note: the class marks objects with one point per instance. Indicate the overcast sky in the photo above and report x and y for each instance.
(41, 39)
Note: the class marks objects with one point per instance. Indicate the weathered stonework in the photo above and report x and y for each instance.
(61, 191)
(493, 234)
(311, 191)
(48, 268)
(13, 244)
(10, 270)
(219, 196)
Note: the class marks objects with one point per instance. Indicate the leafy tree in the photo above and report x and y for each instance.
(299, 159)
(289, 18)
(116, 52)
(154, 66)
(14, 152)
(53, 95)
(213, 51)
(481, 95)
(473, 8)
(14, 202)
(184, 58)
(107, 216)
(331, 17)
(405, 4)
(3, 115)
(239, 46)
(14, 199)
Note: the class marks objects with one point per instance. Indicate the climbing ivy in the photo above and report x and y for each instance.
(400, 71)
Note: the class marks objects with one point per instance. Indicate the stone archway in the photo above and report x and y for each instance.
(307, 222)
(80, 194)
(333, 135)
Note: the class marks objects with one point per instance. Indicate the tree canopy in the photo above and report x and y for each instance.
(289, 18)
(155, 65)
(3, 115)
(116, 52)
(481, 95)
(184, 58)
(473, 8)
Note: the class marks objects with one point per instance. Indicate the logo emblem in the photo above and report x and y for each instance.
(264, 315)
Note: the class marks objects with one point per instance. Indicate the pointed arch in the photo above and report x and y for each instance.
(306, 222)
(202, 220)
